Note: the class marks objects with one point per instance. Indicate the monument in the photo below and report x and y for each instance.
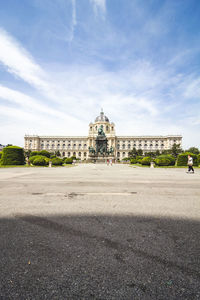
(101, 153)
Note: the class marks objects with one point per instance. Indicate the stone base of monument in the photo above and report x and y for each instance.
(100, 159)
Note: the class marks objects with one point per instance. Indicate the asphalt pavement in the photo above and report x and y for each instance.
(99, 232)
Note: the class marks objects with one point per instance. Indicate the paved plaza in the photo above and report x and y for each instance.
(99, 232)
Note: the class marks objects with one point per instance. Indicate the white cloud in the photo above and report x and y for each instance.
(19, 62)
(99, 5)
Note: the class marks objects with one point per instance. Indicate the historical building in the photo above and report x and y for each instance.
(80, 145)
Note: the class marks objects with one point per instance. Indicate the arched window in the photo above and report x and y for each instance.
(85, 154)
(96, 127)
(79, 154)
(106, 128)
(112, 128)
(118, 154)
(74, 153)
(68, 154)
(123, 154)
(63, 153)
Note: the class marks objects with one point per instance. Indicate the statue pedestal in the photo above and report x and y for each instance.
(101, 159)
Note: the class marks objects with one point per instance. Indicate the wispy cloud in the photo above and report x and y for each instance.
(73, 21)
(99, 6)
(19, 62)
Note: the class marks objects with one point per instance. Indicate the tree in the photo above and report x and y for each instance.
(193, 150)
(133, 153)
(176, 150)
(27, 153)
(150, 154)
(140, 152)
(57, 153)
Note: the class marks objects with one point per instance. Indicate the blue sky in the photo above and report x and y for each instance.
(61, 61)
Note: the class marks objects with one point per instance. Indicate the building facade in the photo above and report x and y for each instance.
(79, 145)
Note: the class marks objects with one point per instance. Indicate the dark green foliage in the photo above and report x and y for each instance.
(68, 160)
(34, 153)
(44, 153)
(146, 161)
(57, 153)
(150, 154)
(27, 153)
(126, 159)
(133, 161)
(133, 153)
(157, 153)
(12, 155)
(56, 161)
(52, 156)
(0, 154)
(176, 150)
(140, 152)
(39, 160)
(165, 160)
(183, 159)
(73, 157)
(193, 150)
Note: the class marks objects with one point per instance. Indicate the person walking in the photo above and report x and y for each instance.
(190, 164)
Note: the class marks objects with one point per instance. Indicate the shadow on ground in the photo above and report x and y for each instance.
(99, 257)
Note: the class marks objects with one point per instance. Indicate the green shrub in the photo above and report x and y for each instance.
(165, 160)
(56, 161)
(44, 153)
(33, 158)
(133, 161)
(146, 161)
(34, 153)
(12, 155)
(183, 159)
(0, 154)
(39, 160)
(139, 159)
(68, 160)
(198, 159)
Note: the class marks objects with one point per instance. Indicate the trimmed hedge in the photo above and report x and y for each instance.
(33, 158)
(56, 161)
(12, 155)
(68, 160)
(133, 161)
(34, 153)
(183, 159)
(44, 153)
(139, 159)
(165, 160)
(39, 160)
(146, 161)
(0, 154)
